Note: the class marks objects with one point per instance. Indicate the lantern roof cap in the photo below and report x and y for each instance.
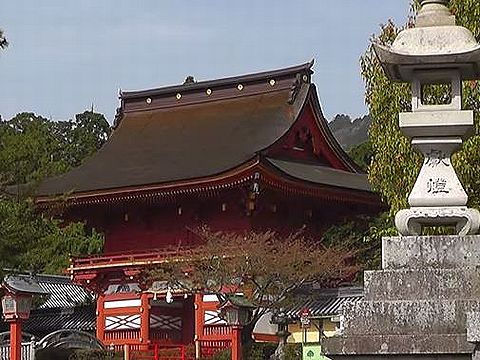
(237, 301)
(26, 284)
(434, 43)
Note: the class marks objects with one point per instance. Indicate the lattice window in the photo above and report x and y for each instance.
(165, 322)
(212, 318)
(121, 322)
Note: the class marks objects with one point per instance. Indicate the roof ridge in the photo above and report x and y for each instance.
(305, 67)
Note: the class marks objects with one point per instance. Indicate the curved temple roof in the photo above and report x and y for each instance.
(197, 131)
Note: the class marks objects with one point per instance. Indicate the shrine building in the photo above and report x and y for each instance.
(251, 152)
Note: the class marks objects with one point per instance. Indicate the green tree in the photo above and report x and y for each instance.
(362, 154)
(28, 150)
(395, 164)
(32, 148)
(82, 136)
(38, 243)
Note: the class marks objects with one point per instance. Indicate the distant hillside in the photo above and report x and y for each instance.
(350, 133)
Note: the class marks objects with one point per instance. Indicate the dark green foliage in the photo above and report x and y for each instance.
(263, 351)
(76, 354)
(31, 149)
(83, 136)
(362, 154)
(293, 352)
(364, 234)
(38, 243)
(86, 354)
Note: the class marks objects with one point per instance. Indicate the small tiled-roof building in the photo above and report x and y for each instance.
(67, 306)
(325, 309)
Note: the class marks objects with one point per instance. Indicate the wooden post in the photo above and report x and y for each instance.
(236, 343)
(199, 319)
(16, 339)
(155, 352)
(145, 321)
(101, 318)
(126, 352)
(183, 353)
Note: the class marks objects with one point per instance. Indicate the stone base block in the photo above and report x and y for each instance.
(424, 304)
(422, 284)
(407, 317)
(391, 345)
(420, 252)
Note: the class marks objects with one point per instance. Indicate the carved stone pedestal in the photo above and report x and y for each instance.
(417, 306)
(438, 197)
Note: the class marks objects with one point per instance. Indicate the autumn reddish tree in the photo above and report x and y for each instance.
(266, 267)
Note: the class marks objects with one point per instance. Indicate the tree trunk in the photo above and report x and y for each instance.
(247, 332)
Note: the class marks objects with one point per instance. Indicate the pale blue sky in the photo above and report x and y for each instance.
(66, 54)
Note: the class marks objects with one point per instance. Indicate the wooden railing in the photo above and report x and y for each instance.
(146, 257)
(216, 330)
(115, 335)
(208, 348)
(165, 336)
(28, 351)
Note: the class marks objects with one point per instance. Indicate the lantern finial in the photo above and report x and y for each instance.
(444, 2)
(434, 13)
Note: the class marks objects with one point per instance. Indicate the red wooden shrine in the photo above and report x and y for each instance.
(251, 152)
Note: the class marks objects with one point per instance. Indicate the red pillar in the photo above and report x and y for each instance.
(101, 318)
(145, 320)
(16, 339)
(199, 318)
(236, 343)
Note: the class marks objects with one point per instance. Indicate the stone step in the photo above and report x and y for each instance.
(407, 317)
(417, 252)
(422, 284)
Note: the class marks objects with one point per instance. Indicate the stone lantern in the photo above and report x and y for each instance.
(16, 304)
(425, 302)
(236, 311)
(435, 51)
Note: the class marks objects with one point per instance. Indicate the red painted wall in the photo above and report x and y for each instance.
(145, 228)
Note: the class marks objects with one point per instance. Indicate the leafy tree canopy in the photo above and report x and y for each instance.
(32, 148)
(362, 154)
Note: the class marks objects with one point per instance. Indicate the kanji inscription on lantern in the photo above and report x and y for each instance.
(437, 186)
(435, 158)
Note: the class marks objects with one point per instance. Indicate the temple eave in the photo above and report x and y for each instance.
(269, 176)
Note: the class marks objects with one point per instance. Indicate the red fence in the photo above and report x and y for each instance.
(208, 348)
(175, 352)
(164, 352)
